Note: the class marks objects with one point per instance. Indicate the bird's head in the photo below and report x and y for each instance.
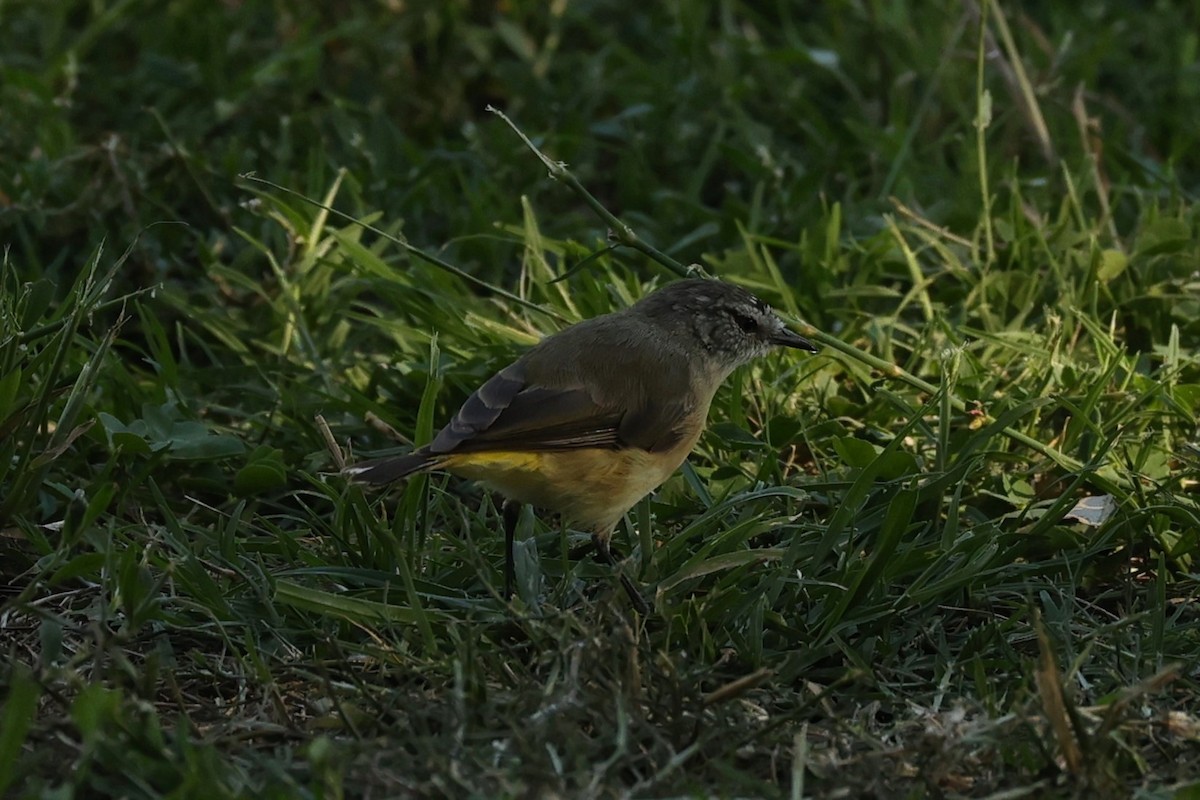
(727, 324)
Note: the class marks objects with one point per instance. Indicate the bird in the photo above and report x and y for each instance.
(594, 417)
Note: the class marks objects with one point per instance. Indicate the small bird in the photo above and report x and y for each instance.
(593, 418)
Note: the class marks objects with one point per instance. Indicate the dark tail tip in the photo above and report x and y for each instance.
(392, 468)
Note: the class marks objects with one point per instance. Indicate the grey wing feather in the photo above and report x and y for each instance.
(533, 418)
(569, 393)
(482, 409)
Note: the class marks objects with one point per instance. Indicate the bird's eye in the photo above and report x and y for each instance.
(747, 323)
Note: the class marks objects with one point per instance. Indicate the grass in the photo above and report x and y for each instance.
(870, 580)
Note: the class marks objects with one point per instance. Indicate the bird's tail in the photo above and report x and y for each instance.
(392, 468)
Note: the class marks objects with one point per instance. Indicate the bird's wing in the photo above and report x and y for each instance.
(506, 413)
(539, 403)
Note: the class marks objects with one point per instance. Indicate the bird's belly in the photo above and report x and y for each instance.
(592, 488)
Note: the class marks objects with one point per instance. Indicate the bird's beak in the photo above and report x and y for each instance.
(786, 338)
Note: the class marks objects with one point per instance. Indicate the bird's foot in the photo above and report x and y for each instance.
(640, 604)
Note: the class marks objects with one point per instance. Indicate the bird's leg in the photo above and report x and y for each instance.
(511, 510)
(600, 542)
